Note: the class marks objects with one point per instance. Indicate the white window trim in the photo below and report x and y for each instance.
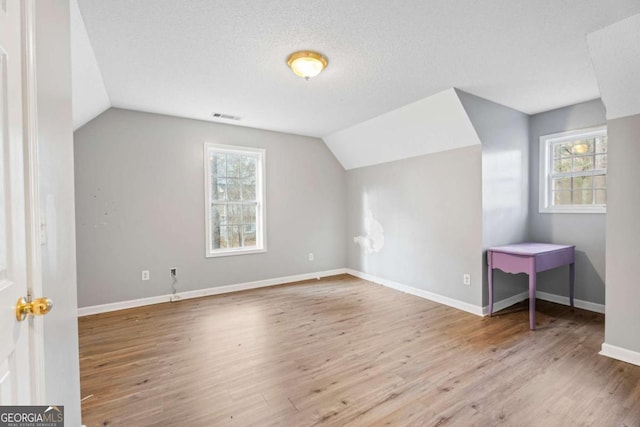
(544, 202)
(261, 211)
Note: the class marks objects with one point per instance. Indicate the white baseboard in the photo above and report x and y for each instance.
(474, 309)
(620, 353)
(504, 303)
(585, 305)
(451, 302)
(103, 308)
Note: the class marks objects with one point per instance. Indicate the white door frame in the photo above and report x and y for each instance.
(32, 197)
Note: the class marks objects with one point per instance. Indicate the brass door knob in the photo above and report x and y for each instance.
(37, 307)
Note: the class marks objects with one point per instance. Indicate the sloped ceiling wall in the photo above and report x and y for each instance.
(615, 52)
(434, 124)
(89, 95)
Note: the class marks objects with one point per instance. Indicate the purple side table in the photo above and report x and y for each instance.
(530, 258)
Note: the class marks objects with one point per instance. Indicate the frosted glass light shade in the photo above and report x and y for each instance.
(306, 64)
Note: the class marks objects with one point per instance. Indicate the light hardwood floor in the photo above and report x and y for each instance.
(343, 351)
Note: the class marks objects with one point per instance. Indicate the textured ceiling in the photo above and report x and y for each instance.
(616, 58)
(89, 95)
(191, 58)
(433, 124)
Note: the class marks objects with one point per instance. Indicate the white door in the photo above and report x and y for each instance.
(15, 381)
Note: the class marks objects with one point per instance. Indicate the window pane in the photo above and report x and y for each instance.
(223, 238)
(220, 165)
(584, 163)
(563, 149)
(248, 167)
(601, 161)
(249, 189)
(234, 164)
(218, 221)
(233, 189)
(215, 238)
(562, 184)
(583, 197)
(582, 183)
(234, 214)
(562, 165)
(249, 234)
(216, 165)
(218, 188)
(600, 181)
(219, 214)
(249, 214)
(233, 236)
(601, 197)
(561, 198)
(601, 144)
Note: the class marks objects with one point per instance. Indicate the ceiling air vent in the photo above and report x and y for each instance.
(224, 116)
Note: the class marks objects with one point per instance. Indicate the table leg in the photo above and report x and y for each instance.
(572, 276)
(532, 296)
(490, 281)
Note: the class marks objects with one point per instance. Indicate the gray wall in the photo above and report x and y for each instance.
(140, 206)
(53, 55)
(623, 234)
(586, 231)
(504, 134)
(430, 208)
(139, 189)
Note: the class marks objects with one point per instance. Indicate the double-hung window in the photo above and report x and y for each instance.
(573, 171)
(234, 199)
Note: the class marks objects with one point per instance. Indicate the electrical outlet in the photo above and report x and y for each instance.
(466, 279)
(145, 275)
(174, 272)
(310, 256)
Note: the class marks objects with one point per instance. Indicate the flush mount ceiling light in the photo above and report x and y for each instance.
(306, 63)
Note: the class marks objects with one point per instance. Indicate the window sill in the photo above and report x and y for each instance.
(234, 252)
(575, 210)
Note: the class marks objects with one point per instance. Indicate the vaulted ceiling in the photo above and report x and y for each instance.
(192, 58)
